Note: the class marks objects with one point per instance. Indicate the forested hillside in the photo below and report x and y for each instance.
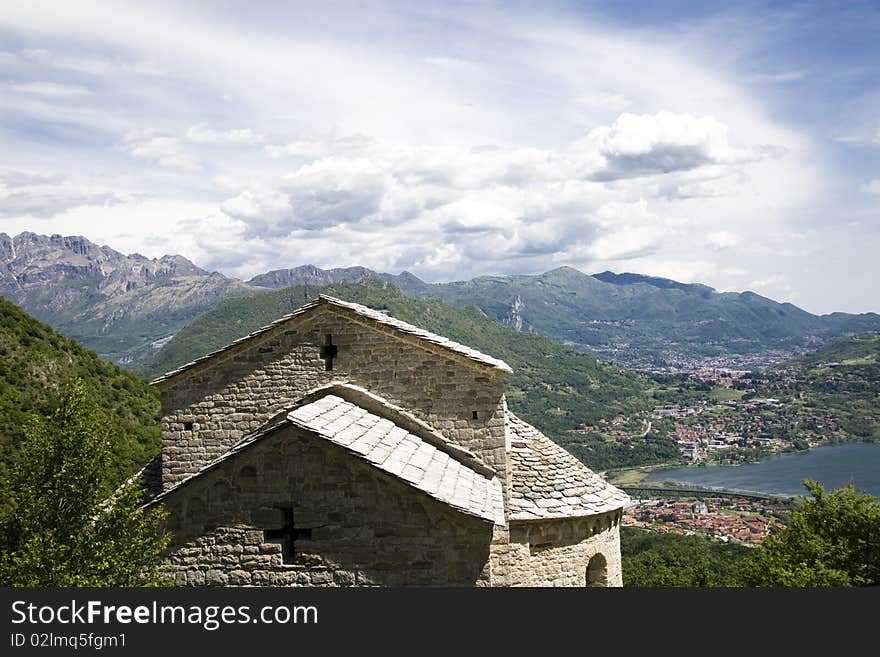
(855, 351)
(843, 377)
(35, 362)
(659, 560)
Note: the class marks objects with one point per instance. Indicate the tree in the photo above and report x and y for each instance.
(63, 525)
(659, 560)
(831, 540)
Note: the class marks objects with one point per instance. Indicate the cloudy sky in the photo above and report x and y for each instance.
(737, 147)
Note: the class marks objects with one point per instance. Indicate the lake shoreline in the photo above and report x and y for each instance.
(833, 465)
(638, 474)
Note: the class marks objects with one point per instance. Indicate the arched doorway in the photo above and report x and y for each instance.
(597, 571)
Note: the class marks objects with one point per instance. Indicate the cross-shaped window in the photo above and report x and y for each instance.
(287, 536)
(328, 352)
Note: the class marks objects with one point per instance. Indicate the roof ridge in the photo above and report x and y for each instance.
(412, 329)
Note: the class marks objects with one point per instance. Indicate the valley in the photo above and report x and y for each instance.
(734, 393)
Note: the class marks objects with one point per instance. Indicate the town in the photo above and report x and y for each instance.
(733, 431)
(728, 519)
(724, 416)
(720, 416)
(675, 360)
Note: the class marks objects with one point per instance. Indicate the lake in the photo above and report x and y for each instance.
(831, 465)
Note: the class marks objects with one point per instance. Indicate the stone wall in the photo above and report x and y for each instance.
(209, 408)
(557, 552)
(367, 527)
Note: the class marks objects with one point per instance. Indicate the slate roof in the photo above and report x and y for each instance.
(548, 482)
(398, 452)
(389, 447)
(363, 312)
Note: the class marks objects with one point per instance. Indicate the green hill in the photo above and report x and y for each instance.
(843, 377)
(553, 387)
(856, 351)
(35, 362)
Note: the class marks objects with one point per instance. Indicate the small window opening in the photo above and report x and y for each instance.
(287, 536)
(597, 572)
(187, 426)
(328, 352)
(474, 415)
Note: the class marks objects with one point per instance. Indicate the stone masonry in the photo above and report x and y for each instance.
(376, 533)
(206, 410)
(341, 447)
(558, 552)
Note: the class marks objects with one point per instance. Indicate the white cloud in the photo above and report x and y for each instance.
(612, 102)
(504, 205)
(316, 147)
(14, 179)
(89, 64)
(783, 76)
(310, 149)
(625, 244)
(45, 204)
(46, 195)
(723, 239)
(162, 150)
(50, 89)
(328, 192)
(638, 145)
(774, 286)
(452, 141)
(202, 134)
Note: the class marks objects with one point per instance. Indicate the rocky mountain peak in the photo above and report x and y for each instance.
(54, 258)
(71, 281)
(309, 275)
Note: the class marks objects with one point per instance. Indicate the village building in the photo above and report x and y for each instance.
(339, 446)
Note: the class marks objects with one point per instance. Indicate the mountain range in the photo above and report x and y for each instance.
(126, 307)
(118, 305)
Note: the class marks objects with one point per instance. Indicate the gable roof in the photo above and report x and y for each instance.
(358, 312)
(398, 452)
(362, 397)
(388, 446)
(548, 482)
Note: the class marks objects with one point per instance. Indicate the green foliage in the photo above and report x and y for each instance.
(553, 387)
(34, 359)
(853, 351)
(831, 540)
(604, 454)
(842, 377)
(654, 560)
(62, 524)
(228, 321)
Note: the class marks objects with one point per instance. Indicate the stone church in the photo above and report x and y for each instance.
(339, 446)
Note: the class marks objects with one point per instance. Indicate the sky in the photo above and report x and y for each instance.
(731, 144)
